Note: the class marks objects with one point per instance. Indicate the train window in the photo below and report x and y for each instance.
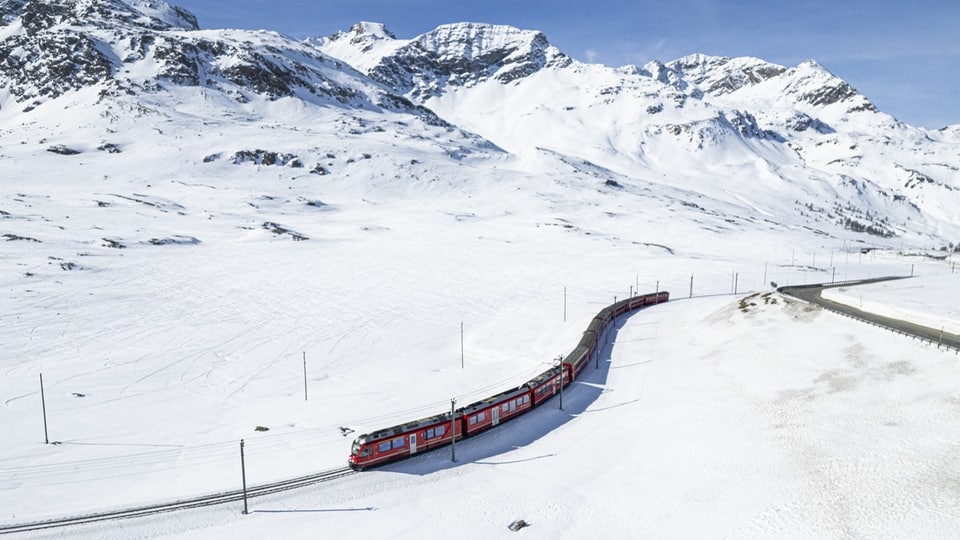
(526, 399)
(473, 420)
(399, 442)
(430, 434)
(384, 446)
(441, 430)
(482, 416)
(505, 407)
(367, 450)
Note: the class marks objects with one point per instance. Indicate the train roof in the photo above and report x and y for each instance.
(579, 352)
(486, 402)
(541, 378)
(393, 431)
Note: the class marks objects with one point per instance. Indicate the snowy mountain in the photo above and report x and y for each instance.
(802, 133)
(798, 135)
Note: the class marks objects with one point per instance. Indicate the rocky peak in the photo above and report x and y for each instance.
(125, 48)
(366, 31)
(41, 15)
(719, 75)
(664, 74)
(464, 54)
(813, 84)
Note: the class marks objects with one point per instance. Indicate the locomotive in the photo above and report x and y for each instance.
(417, 436)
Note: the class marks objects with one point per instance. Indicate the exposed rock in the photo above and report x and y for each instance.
(63, 150)
(263, 157)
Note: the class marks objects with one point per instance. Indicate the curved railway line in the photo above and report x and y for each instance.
(183, 504)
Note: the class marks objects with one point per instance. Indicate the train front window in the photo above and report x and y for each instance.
(356, 448)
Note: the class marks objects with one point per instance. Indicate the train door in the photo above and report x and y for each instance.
(495, 414)
(413, 443)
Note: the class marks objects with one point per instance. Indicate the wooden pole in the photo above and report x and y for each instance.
(43, 404)
(243, 472)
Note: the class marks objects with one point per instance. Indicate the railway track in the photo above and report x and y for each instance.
(183, 504)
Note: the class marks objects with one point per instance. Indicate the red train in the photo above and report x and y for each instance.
(398, 442)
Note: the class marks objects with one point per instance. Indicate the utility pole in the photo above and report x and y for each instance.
(453, 430)
(560, 365)
(564, 304)
(243, 472)
(43, 404)
(736, 282)
(305, 375)
(691, 285)
(461, 345)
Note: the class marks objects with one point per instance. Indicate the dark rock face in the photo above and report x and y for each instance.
(828, 95)
(464, 54)
(67, 46)
(51, 63)
(263, 157)
(63, 150)
(723, 75)
(802, 122)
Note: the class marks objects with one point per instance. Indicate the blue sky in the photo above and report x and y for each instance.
(902, 55)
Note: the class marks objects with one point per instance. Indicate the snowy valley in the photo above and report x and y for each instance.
(213, 235)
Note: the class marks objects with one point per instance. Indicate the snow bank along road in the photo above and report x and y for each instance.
(811, 294)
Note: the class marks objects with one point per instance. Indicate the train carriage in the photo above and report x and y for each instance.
(492, 411)
(578, 359)
(547, 384)
(402, 441)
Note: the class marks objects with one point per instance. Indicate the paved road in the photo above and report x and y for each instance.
(811, 293)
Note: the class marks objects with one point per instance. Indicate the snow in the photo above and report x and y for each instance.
(704, 421)
(779, 421)
(908, 300)
(727, 412)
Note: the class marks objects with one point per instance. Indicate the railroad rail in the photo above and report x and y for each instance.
(183, 504)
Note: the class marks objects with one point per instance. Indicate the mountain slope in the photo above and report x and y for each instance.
(752, 140)
(774, 132)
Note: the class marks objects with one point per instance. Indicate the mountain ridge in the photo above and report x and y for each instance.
(697, 123)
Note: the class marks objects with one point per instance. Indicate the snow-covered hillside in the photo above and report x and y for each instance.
(729, 128)
(192, 216)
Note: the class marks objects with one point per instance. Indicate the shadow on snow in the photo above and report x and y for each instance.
(484, 448)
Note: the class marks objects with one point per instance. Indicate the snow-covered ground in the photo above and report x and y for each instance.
(724, 414)
(719, 416)
(909, 300)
